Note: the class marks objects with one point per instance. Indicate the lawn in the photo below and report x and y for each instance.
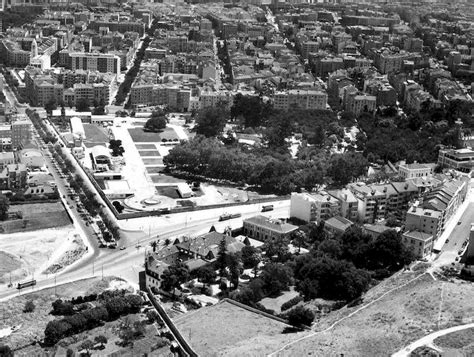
(275, 303)
(154, 170)
(157, 161)
(95, 135)
(36, 216)
(228, 330)
(168, 191)
(165, 179)
(149, 153)
(140, 136)
(145, 146)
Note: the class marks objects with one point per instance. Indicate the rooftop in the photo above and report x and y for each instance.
(272, 224)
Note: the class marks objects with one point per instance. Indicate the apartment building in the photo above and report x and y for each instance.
(424, 220)
(420, 243)
(210, 98)
(360, 103)
(348, 202)
(102, 62)
(460, 159)
(314, 207)
(302, 99)
(387, 61)
(21, 133)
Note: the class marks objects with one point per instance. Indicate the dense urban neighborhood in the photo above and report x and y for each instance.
(236, 178)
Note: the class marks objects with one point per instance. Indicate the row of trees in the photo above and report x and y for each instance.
(272, 172)
(75, 322)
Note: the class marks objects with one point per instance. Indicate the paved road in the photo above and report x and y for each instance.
(129, 262)
(427, 340)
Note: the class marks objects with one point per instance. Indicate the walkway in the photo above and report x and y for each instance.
(427, 340)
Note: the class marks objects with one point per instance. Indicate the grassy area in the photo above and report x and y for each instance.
(145, 146)
(140, 136)
(168, 191)
(158, 161)
(165, 179)
(275, 303)
(36, 216)
(394, 321)
(34, 323)
(149, 153)
(154, 170)
(7, 263)
(457, 340)
(227, 330)
(95, 135)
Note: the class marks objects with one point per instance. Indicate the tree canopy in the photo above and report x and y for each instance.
(210, 121)
(156, 123)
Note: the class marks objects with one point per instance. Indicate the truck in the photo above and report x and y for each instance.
(26, 284)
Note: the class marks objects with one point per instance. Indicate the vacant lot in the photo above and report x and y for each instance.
(461, 342)
(228, 330)
(140, 136)
(149, 153)
(165, 179)
(168, 191)
(34, 323)
(392, 322)
(95, 135)
(36, 216)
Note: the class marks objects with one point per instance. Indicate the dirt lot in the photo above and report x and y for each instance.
(28, 252)
(140, 136)
(37, 216)
(275, 303)
(227, 330)
(392, 322)
(34, 323)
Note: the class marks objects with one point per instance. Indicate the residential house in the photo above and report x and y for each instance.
(263, 228)
(420, 243)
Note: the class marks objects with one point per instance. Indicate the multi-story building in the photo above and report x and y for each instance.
(424, 220)
(21, 133)
(302, 99)
(460, 159)
(102, 62)
(387, 61)
(360, 103)
(315, 207)
(348, 202)
(263, 228)
(415, 170)
(420, 243)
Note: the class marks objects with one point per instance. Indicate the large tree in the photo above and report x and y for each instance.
(4, 206)
(211, 121)
(277, 277)
(174, 276)
(155, 123)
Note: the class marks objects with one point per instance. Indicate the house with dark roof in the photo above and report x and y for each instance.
(337, 225)
(194, 252)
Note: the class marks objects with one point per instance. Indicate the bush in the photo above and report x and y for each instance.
(29, 306)
(290, 303)
(300, 316)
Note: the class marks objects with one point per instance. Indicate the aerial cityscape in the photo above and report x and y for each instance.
(237, 178)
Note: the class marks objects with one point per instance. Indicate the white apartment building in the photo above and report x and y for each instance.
(303, 99)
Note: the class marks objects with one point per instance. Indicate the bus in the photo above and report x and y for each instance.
(267, 208)
(26, 284)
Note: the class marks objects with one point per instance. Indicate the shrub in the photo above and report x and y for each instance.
(290, 303)
(29, 306)
(300, 316)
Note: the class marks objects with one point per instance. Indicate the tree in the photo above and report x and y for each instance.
(4, 205)
(251, 257)
(211, 121)
(56, 330)
(206, 275)
(116, 147)
(155, 124)
(299, 316)
(174, 276)
(152, 316)
(50, 105)
(221, 261)
(277, 247)
(83, 105)
(87, 345)
(101, 339)
(6, 351)
(29, 306)
(277, 277)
